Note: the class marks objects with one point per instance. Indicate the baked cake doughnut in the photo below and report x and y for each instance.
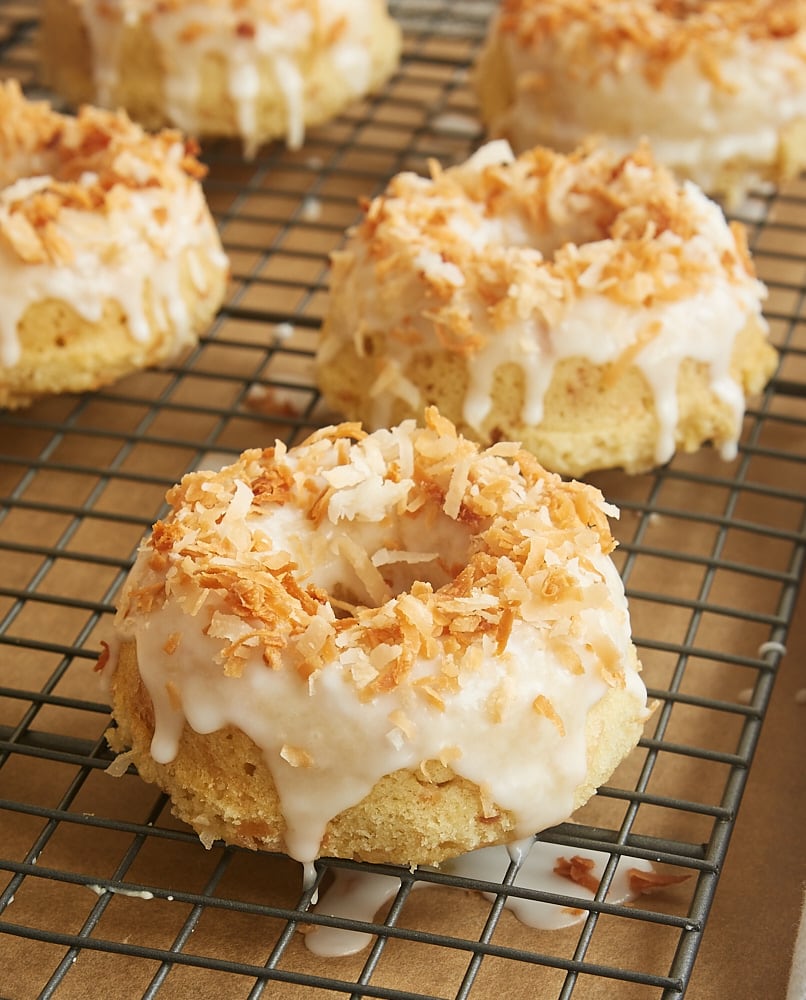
(110, 259)
(718, 86)
(257, 69)
(392, 647)
(587, 306)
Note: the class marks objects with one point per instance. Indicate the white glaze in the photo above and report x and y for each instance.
(280, 45)
(772, 646)
(275, 708)
(357, 895)
(101, 890)
(353, 895)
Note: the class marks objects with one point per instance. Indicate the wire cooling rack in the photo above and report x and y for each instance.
(99, 884)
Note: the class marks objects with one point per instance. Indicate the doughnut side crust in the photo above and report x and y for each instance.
(594, 417)
(67, 65)
(208, 99)
(220, 785)
(62, 351)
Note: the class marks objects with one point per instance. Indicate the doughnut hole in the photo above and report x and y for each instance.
(372, 563)
(579, 227)
(44, 157)
(519, 227)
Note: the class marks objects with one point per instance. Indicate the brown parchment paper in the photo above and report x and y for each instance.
(748, 942)
(86, 478)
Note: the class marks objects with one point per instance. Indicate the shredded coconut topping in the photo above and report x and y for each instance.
(245, 17)
(90, 163)
(663, 31)
(539, 231)
(527, 539)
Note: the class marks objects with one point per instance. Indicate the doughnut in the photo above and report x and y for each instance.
(391, 647)
(254, 69)
(587, 305)
(718, 86)
(110, 259)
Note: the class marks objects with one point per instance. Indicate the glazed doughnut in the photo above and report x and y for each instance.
(717, 86)
(110, 259)
(255, 69)
(587, 306)
(391, 647)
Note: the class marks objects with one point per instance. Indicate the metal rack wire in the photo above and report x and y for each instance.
(711, 554)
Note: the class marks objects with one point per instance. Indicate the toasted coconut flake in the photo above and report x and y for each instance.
(103, 659)
(399, 719)
(498, 701)
(206, 837)
(314, 641)
(544, 707)
(559, 585)
(366, 572)
(383, 654)
(489, 810)
(174, 697)
(396, 738)
(385, 557)
(449, 756)
(458, 486)
(363, 673)
(579, 870)
(348, 430)
(171, 646)
(427, 688)
(568, 657)
(440, 425)
(643, 883)
(296, 756)
(609, 663)
(120, 765)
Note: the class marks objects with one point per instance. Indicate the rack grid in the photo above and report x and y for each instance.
(99, 881)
